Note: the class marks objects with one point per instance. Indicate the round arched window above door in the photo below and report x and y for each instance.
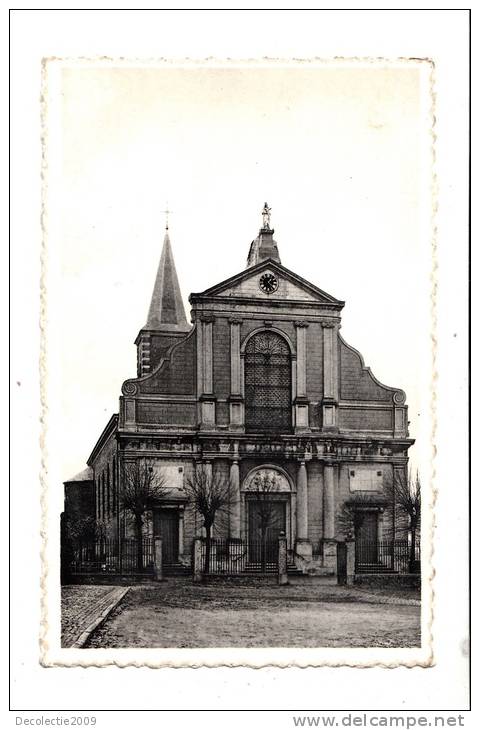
(268, 383)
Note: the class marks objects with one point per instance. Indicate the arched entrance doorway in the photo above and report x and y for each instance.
(268, 504)
(268, 384)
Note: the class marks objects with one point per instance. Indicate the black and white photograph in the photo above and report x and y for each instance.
(242, 332)
(239, 368)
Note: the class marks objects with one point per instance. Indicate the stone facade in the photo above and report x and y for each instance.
(261, 381)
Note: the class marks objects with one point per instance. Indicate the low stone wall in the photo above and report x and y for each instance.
(261, 580)
(113, 579)
(376, 580)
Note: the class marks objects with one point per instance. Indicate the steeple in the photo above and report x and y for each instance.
(167, 312)
(263, 247)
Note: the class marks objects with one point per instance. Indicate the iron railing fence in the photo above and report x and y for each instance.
(228, 557)
(380, 556)
(113, 556)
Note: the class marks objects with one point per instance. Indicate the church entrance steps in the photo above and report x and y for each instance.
(177, 569)
(375, 569)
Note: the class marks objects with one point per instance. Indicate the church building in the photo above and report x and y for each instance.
(260, 383)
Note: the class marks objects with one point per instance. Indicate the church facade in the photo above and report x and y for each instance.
(261, 383)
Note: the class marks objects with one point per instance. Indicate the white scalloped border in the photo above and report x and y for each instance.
(53, 656)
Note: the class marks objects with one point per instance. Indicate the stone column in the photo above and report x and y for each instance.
(181, 532)
(328, 503)
(303, 547)
(235, 499)
(158, 567)
(302, 502)
(197, 560)
(282, 560)
(350, 562)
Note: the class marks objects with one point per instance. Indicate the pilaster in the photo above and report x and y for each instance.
(328, 502)
(301, 400)
(205, 362)
(330, 376)
(234, 516)
(302, 501)
(303, 546)
(236, 400)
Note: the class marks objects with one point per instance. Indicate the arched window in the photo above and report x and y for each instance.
(268, 383)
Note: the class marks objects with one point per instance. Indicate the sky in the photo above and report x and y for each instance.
(341, 153)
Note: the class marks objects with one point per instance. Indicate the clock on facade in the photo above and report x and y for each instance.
(268, 283)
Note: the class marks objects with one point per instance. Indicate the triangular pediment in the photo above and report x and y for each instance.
(285, 286)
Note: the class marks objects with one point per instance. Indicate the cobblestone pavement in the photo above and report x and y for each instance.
(177, 613)
(81, 606)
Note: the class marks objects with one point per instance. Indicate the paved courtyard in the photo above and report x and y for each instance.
(82, 607)
(177, 613)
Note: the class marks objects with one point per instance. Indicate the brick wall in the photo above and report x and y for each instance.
(221, 357)
(223, 414)
(155, 413)
(356, 383)
(159, 347)
(365, 419)
(314, 362)
(105, 475)
(178, 374)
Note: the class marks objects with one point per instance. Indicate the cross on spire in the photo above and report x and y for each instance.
(167, 213)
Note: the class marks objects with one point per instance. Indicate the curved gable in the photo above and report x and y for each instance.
(357, 381)
(175, 374)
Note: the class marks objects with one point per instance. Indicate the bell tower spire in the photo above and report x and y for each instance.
(166, 321)
(263, 247)
(167, 312)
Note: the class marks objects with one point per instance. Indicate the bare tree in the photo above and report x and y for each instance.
(209, 492)
(406, 495)
(261, 487)
(142, 488)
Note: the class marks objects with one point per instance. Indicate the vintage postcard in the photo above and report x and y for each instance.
(238, 357)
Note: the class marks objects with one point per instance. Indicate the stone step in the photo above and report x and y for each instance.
(176, 569)
(375, 568)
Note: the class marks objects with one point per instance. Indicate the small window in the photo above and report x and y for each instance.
(379, 473)
(352, 473)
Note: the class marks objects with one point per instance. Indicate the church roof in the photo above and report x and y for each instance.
(84, 476)
(232, 287)
(263, 247)
(167, 312)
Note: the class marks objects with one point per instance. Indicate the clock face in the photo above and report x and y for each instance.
(268, 283)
